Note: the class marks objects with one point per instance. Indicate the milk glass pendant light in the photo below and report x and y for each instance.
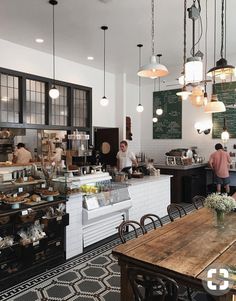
(225, 133)
(104, 101)
(53, 92)
(153, 69)
(184, 94)
(222, 70)
(139, 107)
(194, 65)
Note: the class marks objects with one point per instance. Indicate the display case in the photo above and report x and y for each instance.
(32, 229)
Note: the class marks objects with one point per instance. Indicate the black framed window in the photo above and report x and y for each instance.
(35, 102)
(9, 101)
(80, 108)
(59, 107)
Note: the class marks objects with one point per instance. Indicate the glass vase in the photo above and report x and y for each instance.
(220, 218)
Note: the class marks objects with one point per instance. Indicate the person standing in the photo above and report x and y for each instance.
(219, 162)
(22, 155)
(125, 158)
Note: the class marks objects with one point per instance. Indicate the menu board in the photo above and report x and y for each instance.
(169, 124)
(226, 93)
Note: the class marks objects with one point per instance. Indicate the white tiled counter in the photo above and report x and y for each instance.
(150, 194)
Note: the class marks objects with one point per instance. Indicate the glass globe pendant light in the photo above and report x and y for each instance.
(152, 69)
(104, 101)
(53, 92)
(225, 133)
(139, 107)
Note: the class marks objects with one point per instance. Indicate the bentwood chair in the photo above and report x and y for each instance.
(175, 210)
(136, 226)
(153, 218)
(154, 287)
(198, 201)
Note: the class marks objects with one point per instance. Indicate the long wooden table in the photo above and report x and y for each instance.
(183, 250)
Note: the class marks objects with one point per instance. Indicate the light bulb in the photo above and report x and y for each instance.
(225, 136)
(159, 111)
(104, 101)
(139, 108)
(223, 76)
(154, 119)
(54, 93)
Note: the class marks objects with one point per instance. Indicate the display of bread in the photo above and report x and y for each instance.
(46, 192)
(35, 198)
(19, 180)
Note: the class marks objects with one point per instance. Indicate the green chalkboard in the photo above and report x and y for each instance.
(226, 93)
(169, 125)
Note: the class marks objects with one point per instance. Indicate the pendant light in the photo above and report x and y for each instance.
(159, 110)
(53, 92)
(139, 107)
(222, 70)
(197, 96)
(214, 106)
(193, 66)
(152, 69)
(184, 94)
(225, 133)
(104, 101)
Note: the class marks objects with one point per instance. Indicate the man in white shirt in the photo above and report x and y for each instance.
(22, 155)
(125, 158)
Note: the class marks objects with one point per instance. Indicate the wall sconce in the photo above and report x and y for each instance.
(203, 127)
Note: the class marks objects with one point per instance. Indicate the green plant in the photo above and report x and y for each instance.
(220, 202)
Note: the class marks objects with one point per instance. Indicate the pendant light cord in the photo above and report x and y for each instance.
(139, 78)
(185, 39)
(152, 33)
(206, 46)
(222, 29)
(104, 63)
(53, 43)
(214, 80)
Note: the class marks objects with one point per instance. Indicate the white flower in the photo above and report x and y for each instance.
(220, 202)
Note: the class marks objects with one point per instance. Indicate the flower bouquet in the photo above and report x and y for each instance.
(222, 204)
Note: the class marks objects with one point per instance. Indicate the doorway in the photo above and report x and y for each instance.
(106, 142)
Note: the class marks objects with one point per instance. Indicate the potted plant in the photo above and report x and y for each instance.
(221, 203)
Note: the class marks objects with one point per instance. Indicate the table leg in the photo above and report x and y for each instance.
(126, 293)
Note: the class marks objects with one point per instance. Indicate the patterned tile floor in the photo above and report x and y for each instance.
(93, 276)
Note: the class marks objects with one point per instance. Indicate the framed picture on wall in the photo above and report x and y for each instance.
(169, 124)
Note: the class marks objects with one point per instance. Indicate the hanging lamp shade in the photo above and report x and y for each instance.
(197, 97)
(139, 108)
(184, 94)
(152, 69)
(193, 70)
(214, 106)
(225, 136)
(222, 70)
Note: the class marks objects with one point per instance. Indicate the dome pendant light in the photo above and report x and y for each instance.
(222, 70)
(194, 65)
(184, 94)
(214, 106)
(139, 107)
(53, 92)
(104, 101)
(153, 69)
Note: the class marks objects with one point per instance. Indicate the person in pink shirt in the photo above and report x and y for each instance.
(219, 162)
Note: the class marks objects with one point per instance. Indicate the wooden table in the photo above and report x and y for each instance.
(183, 250)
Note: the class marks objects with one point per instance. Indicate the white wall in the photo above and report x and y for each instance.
(28, 60)
(156, 148)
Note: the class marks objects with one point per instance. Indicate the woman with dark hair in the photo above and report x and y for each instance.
(219, 162)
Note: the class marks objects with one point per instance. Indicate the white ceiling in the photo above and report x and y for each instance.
(78, 33)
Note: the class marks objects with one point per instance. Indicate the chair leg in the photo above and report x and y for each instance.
(189, 293)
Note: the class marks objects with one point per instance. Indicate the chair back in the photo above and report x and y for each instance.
(198, 201)
(175, 208)
(153, 218)
(154, 286)
(124, 227)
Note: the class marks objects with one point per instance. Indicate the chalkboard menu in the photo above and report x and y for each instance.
(169, 125)
(226, 93)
